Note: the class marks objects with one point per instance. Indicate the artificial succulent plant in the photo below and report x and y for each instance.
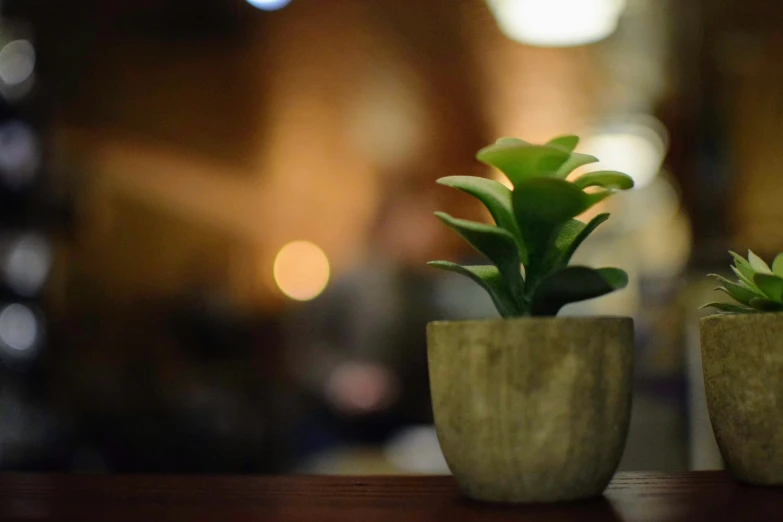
(759, 288)
(535, 233)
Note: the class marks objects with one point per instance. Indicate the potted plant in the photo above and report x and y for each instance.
(742, 357)
(533, 408)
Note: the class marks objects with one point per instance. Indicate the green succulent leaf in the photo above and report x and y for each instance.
(743, 266)
(777, 265)
(573, 284)
(511, 142)
(725, 291)
(758, 264)
(574, 161)
(738, 292)
(496, 197)
(570, 236)
(541, 207)
(596, 197)
(771, 285)
(567, 143)
(608, 179)
(744, 280)
(520, 161)
(536, 226)
(759, 288)
(490, 279)
(765, 305)
(729, 308)
(616, 277)
(495, 243)
(550, 200)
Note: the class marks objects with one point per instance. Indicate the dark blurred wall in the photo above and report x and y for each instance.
(725, 116)
(197, 139)
(174, 71)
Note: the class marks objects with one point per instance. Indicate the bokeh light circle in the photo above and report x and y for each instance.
(301, 270)
(19, 328)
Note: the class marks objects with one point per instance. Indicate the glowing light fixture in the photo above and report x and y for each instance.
(17, 62)
(27, 264)
(269, 5)
(301, 270)
(635, 145)
(557, 23)
(18, 327)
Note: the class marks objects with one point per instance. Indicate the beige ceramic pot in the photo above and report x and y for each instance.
(742, 356)
(532, 409)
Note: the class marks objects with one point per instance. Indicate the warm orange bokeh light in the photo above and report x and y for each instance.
(301, 270)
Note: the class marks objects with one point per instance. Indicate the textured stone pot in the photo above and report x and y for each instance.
(532, 409)
(742, 357)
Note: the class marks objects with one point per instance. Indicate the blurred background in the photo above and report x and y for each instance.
(214, 214)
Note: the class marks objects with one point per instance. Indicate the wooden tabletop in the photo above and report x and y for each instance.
(632, 497)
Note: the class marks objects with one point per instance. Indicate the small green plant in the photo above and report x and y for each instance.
(759, 288)
(535, 233)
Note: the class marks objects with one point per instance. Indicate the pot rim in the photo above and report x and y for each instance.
(545, 319)
(727, 317)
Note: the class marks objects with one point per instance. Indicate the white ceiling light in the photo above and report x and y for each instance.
(557, 23)
(269, 5)
(636, 145)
